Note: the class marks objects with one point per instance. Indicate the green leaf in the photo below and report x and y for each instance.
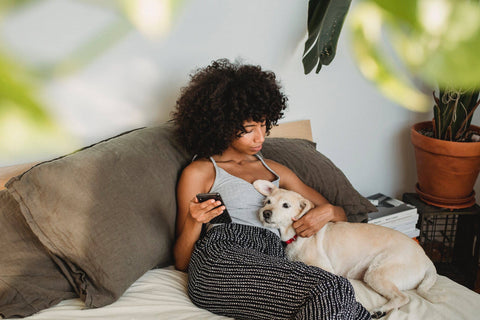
(325, 21)
(405, 11)
(453, 112)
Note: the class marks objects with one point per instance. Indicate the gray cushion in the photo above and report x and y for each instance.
(107, 212)
(29, 279)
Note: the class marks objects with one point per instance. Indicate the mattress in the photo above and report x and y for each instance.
(161, 294)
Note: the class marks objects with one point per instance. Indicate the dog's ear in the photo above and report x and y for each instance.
(264, 187)
(305, 206)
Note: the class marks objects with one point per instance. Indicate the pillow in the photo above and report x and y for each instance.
(106, 212)
(29, 279)
(317, 171)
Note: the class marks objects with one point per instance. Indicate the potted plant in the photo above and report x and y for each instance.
(434, 47)
(447, 151)
(409, 49)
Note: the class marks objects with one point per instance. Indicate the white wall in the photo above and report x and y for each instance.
(137, 81)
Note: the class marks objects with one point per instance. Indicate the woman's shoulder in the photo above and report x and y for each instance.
(199, 167)
(199, 175)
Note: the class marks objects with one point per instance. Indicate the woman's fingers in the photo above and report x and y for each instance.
(205, 211)
(215, 212)
(209, 204)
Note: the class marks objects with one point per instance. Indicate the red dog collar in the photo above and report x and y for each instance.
(291, 240)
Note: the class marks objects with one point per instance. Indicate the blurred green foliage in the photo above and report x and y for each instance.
(18, 87)
(409, 48)
(26, 125)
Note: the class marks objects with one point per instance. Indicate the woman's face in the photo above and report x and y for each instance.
(251, 141)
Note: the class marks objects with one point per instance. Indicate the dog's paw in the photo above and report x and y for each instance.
(378, 314)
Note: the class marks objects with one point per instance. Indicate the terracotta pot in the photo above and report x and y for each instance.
(446, 170)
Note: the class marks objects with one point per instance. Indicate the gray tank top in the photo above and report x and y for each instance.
(241, 199)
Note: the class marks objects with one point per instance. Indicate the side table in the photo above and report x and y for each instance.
(450, 238)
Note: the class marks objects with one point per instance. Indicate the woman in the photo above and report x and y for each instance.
(239, 269)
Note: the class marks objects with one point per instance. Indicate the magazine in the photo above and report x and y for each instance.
(395, 214)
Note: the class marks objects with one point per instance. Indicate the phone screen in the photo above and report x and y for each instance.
(222, 218)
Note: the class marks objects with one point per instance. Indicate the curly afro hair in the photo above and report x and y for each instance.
(211, 110)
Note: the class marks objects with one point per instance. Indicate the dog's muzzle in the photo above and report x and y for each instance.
(267, 214)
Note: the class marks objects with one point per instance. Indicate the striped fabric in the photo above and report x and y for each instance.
(241, 272)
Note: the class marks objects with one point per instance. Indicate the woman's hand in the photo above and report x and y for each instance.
(189, 227)
(205, 211)
(314, 220)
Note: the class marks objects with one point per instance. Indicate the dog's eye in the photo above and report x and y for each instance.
(267, 201)
(286, 205)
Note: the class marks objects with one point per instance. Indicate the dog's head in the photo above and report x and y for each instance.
(280, 205)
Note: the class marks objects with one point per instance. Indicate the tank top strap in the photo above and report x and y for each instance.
(266, 165)
(214, 165)
(213, 161)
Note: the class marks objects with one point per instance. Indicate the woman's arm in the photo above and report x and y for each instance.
(190, 213)
(317, 217)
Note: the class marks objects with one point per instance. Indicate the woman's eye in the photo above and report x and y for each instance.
(286, 205)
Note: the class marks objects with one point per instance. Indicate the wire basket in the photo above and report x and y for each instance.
(437, 236)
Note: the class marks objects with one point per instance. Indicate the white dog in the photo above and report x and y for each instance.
(387, 260)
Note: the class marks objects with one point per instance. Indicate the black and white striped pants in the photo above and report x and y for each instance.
(241, 272)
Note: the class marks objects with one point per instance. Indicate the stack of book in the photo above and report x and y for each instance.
(395, 214)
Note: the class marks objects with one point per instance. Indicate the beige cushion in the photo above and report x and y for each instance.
(11, 171)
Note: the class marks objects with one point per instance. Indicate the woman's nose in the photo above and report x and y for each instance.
(259, 135)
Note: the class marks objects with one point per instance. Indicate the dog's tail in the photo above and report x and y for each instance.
(424, 288)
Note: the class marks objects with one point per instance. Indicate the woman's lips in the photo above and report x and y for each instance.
(256, 149)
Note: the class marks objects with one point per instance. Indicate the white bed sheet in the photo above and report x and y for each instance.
(161, 294)
(460, 303)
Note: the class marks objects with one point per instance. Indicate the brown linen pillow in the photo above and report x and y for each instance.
(317, 171)
(29, 279)
(106, 212)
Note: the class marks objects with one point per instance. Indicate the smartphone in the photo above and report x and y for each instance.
(224, 217)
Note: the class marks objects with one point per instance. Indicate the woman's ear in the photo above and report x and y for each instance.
(264, 187)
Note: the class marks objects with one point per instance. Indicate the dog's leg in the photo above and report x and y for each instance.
(378, 276)
(425, 287)
(389, 290)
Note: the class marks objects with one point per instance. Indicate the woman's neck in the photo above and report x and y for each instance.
(230, 155)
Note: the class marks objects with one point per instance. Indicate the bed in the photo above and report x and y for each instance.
(89, 234)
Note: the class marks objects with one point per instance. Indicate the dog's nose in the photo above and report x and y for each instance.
(267, 214)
